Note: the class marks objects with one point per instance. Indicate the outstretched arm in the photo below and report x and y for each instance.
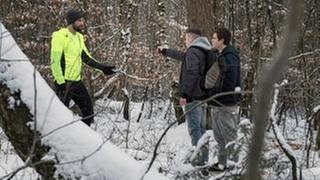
(178, 55)
(87, 58)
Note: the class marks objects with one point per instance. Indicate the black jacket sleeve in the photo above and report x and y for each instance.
(91, 62)
(178, 55)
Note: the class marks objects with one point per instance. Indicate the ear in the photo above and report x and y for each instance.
(222, 40)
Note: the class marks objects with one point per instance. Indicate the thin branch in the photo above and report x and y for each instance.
(13, 60)
(280, 139)
(12, 174)
(135, 77)
(105, 40)
(30, 164)
(115, 77)
(316, 51)
(107, 84)
(35, 133)
(72, 122)
(87, 156)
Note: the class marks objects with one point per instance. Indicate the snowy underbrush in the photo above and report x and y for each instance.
(10, 161)
(277, 165)
(140, 138)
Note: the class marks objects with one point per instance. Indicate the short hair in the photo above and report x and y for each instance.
(223, 33)
(193, 30)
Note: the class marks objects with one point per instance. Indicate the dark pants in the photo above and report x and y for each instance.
(79, 94)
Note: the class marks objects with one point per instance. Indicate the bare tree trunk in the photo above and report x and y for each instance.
(271, 21)
(265, 90)
(5, 8)
(125, 20)
(162, 23)
(254, 61)
(231, 20)
(198, 15)
(174, 97)
(316, 121)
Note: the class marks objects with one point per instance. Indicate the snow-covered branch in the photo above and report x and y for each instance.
(280, 139)
(311, 53)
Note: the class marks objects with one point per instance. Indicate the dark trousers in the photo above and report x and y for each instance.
(79, 94)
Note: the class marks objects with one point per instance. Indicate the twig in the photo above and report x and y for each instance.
(72, 122)
(316, 51)
(35, 133)
(28, 164)
(107, 84)
(135, 77)
(12, 174)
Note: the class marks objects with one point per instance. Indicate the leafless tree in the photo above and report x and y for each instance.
(268, 79)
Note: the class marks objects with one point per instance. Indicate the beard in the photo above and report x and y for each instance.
(77, 28)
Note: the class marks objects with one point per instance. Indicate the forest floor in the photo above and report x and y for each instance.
(140, 138)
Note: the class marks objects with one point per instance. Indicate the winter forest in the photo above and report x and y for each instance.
(139, 129)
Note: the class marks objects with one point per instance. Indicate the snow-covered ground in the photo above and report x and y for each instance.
(138, 139)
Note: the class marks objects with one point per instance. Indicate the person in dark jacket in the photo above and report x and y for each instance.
(225, 109)
(191, 92)
(68, 51)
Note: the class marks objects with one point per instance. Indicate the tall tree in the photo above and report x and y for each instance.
(255, 36)
(268, 79)
(199, 15)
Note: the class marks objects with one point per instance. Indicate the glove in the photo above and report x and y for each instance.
(108, 70)
(162, 51)
(61, 91)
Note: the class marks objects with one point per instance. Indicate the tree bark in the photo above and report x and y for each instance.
(199, 16)
(13, 122)
(267, 81)
(250, 80)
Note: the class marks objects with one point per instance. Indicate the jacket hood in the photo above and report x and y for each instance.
(230, 50)
(201, 42)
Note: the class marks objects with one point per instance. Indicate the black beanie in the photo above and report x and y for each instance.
(194, 31)
(72, 16)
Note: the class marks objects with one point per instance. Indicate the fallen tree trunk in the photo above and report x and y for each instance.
(45, 134)
(13, 121)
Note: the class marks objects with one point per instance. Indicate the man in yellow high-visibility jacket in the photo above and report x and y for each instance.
(68, 51)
